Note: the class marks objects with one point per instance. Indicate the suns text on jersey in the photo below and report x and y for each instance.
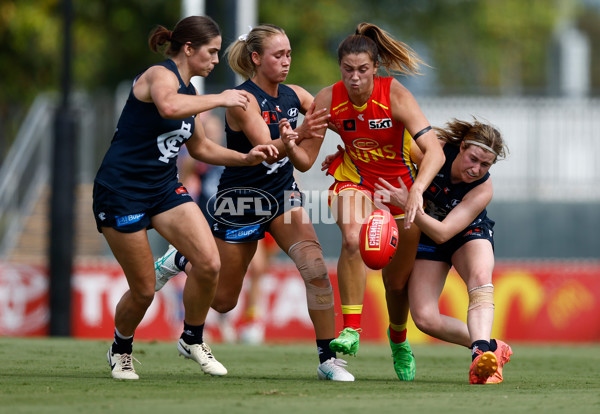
(373, 154)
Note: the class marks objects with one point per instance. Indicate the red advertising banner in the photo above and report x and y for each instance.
(535, 301)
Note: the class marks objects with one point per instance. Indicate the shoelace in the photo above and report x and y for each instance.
(359, 330)
(404, 357)
(207, 350)
(340, 363)
(127, 363)
(348, 337)
(166, 272)
(159, 265)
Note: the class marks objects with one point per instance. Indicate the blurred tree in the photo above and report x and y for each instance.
(29, 33)
(474, 46)
(314, 30)
(111, 38)
(589, 23)
(109, 45)
(479, 46)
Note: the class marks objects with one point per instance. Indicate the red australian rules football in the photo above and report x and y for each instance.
(378, 239)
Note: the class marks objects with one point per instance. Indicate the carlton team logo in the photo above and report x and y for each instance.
(169, 143)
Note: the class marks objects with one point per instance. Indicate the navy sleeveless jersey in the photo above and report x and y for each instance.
(268, 177)
(442, 196)
(141, 160)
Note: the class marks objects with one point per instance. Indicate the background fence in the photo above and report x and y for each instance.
(546, 200)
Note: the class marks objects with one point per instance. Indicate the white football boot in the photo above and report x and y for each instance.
(334, 369)
(121, 366)
(165, 269)
(202, 354)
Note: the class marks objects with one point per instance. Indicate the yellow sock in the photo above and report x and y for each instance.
(398, 333)
(398, 328)
(349, 309)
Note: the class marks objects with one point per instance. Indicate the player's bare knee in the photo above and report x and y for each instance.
(308, 257)
(350, 243)
(419, 321)
(481, 297)
(223, 305)
(203, 280)
(142, 297)
(208, 267)
(480, 278)
(425, 320)
(395, 289)
(212, 264)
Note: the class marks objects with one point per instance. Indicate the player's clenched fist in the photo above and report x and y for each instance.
(235, 98)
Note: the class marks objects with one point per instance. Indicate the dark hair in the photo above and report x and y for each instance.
(239, 53)
(456, 132)
(197, 30)
(394, 56)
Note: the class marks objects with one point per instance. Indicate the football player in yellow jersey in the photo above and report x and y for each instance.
(378, 119)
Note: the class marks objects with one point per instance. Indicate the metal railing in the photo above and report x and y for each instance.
(553, 150)
(25, 169)
(554, 145)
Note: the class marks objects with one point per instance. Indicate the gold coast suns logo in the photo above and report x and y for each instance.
(365, 144)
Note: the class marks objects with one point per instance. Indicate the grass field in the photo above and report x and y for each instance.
(60, 375)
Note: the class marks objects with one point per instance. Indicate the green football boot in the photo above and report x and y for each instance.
(347, 343)
(404, 360)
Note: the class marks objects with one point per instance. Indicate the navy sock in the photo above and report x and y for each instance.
(180, 261)
(493, 345)
(481, 345)
(192, 334)
(122, 345)
(325, 353)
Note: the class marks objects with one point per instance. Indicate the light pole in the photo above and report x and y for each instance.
(62, 199)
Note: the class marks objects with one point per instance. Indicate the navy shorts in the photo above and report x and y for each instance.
(430, 250)
(244, 214)
(130, 215)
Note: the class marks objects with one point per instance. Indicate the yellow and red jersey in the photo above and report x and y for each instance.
(375, 144)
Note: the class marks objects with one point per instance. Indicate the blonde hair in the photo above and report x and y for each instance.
(239, 53)
(382, 48)
(474, 133)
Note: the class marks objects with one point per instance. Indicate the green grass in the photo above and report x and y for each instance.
(60, 375)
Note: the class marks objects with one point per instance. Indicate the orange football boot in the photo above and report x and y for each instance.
(483, 367)
(503, 353)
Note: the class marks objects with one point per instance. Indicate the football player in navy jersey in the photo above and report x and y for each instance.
(265, 197)
(457, 232)
(137, 187)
